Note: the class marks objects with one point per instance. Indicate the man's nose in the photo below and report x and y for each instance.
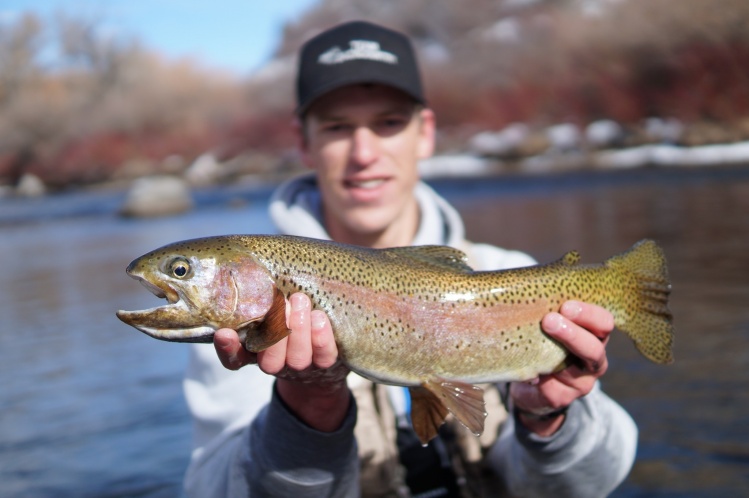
(365, 149)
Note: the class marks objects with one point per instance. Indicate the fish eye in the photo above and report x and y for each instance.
(179, 267)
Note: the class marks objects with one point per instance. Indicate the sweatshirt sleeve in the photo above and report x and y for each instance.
(589, 456)
(278, 455)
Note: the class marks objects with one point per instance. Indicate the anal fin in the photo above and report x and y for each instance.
(431, 402)
(427, 413)
(463, 400)
(260, 335)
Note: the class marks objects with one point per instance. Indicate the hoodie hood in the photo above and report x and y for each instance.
(296, 209)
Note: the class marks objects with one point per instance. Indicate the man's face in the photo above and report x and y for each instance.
(364, 142)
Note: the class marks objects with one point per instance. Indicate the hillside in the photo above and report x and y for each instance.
(112, 108)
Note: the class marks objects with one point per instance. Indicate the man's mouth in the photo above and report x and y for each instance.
(365, 184)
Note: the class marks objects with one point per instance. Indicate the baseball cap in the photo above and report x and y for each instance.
(356, 52)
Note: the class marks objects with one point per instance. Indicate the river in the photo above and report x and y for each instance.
(90, 407)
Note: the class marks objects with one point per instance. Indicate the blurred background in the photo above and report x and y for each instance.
(564, 124)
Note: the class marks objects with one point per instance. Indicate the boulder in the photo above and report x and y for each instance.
(664, 130)
(564, 137)
(502, 143)
(157, 196)
(205, 170)
(30, 185)
(604, 134)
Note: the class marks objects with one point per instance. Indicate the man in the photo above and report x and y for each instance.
(306, 427)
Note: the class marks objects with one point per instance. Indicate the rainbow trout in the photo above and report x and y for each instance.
(409, 316)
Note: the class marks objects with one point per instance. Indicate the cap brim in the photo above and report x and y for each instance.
(335, 85)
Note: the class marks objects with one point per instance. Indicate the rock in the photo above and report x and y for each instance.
(604, 133)
(30, 185)
(205, 170)
(157, 196)
(660, 130)
(565, 137)
(502, 143)
(534, 144)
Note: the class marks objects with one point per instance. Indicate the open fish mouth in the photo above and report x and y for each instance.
(154, 289)
(165, 292)
(174, 321)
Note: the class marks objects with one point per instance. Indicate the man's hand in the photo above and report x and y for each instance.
(584, 330)
(311, 380)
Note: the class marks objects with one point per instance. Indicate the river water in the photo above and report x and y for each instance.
(90, 407)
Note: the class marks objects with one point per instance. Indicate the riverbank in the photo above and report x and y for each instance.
(107, 200)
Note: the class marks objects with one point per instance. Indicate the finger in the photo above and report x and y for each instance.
(299, 348)
(577, 382)
(547, 394)
(324, 349)
(273, 359)
(594, 318)
(579, 341)
(230, 350)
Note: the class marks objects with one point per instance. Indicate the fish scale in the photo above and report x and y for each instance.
(412, 316)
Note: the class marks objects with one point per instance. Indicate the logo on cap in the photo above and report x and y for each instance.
(358, 50)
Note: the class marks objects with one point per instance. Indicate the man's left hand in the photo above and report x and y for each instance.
(583, 329)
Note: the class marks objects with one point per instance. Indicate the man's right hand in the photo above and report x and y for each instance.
(311, 380)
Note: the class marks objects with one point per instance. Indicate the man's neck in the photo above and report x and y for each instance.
(400, 233)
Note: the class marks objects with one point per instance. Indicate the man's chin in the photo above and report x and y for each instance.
(360, 227)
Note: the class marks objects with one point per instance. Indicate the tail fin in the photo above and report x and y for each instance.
(649, 323)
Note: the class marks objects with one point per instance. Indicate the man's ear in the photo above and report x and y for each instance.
(302, 142)
(427, 131)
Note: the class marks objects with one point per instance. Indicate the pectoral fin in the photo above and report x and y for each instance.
(431, 402)
(260, 335)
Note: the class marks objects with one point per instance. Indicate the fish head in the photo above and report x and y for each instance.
(207, 283)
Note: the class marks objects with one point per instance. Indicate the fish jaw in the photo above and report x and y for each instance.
(174, 322)
(164, 323)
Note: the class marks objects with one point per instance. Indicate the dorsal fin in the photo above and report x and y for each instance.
(446, 258)
(570, 259)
